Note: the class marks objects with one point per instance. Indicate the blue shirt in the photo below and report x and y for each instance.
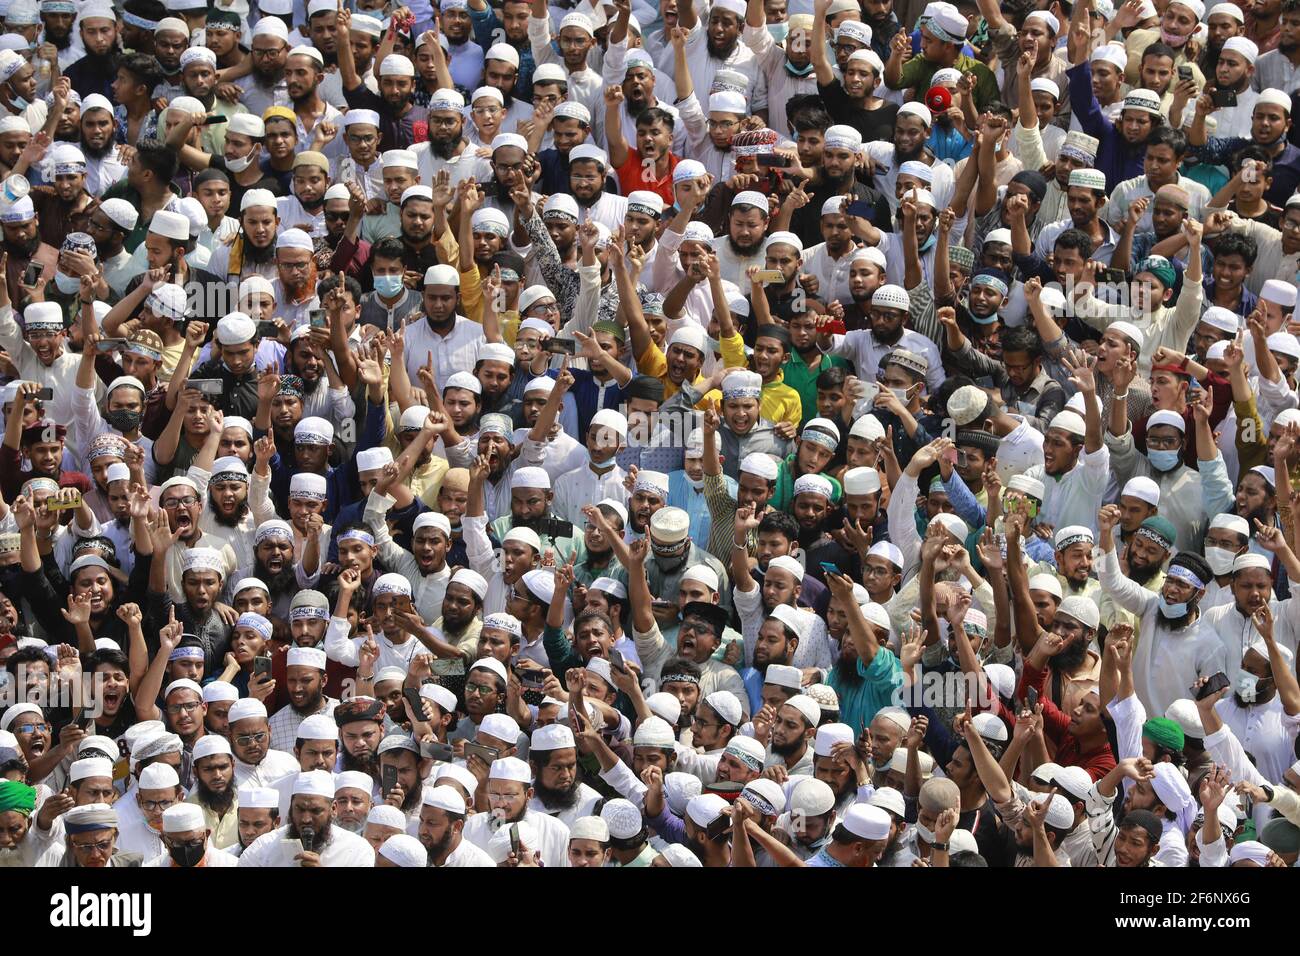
(1116, 157)
(880, 680)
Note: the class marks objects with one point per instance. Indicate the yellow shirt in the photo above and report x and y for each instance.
(780, 402)
(225, 832)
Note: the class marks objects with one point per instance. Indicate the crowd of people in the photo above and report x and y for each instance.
(777, 433)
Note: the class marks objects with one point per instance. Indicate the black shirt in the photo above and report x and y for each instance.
(877, 124)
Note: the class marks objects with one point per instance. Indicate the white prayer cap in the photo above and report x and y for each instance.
(867, 821)
(500, 726)
(666, 707)
(88, 767)
(1222, 319)
(503, 52)
(218, 690)
(183, 817)
(97, 742)
(705, 808)
(766, 795)
(689, 335)
(790, 566)
(623, 819)
(1249, 560)
(472, 580)
(898, 762)
(861, 481)
(317, 726)
(310, 52)
(173, 225)
(1145, 101)
(1060, 815)
(726, 705)
(210, 745)
(271, 26)
(704, 575)
(1183, 712)
(1074, 781)
(1071, 423)
(444, 698)
(760, 465)
(551, 737)
(1002, 678)
(385, 815)
(889, 799)
(655, 732)
(314, 783)
(1082, 609)
(590, 828)
(1232, 523)
(828, 735)
(1165, 417)
(1284, 343)
(159, 776)
(245, 708)
(510, 768)
(1144, 489)
(612, 419)
(897, 716)
(235, 328)
(404, 851)
(183, 683)
(444, 798)
(259, 798)
(293, 239)
(1243, 47)
(811, 798)
(401, 158)
(990, 727)
(395, 64)
(952, 524)
(1228, 10)
(783, 675)
(919, 110)
(1274, 97)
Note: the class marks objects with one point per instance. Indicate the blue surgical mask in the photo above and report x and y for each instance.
(779, 31)
(1172, 611)
(1164, 459)
(388, 286)
(20, 103)
(985, 320)
(66, 284)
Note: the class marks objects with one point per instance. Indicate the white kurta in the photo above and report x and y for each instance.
(277, 848)
(582, 486)
(551, 834)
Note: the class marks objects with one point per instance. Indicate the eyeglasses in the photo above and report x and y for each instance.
(696, 720)
(342, 214)
(295, 266)
(156, 806)
(186, 708)
(362, 139)
(722, 124)
(245, 739)
(479, 690)
(181, 502)
(869, 571)
(33, 728)
(103, 846)
(487, 110)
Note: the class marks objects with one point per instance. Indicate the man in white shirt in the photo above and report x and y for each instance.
(441, 829)
(509, 790)
(450, 339)
(256, 764)
(742, 245)
(309, 838)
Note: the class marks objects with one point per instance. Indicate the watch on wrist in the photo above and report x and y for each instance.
(939, 846)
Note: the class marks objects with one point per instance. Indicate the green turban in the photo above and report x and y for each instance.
(1163, 732)
(15, 795)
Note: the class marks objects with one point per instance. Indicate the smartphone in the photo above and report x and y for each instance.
(950, 456)
(1213, 685)
(267, 330)
(486, 754)
(1031, 697)
(1184, 72)
(389, 779)
(961, 458)
(835, 327)
(719, 828)
(562, 346)
(830, 567)
(262, 665)
(1224, 98)
(317, 318)
(104, 346)
(46, 394)
(514, 839)
(1114, 276)
(860, 208)
(769, 275)
(32, 274)
(774, 159)
(213, 120)
(52, 505)
(437, 750)
(616, 660)
(531, 678)
(211, 387)
(413, 698)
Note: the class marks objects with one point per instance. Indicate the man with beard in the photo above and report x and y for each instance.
(396, 75)
(58, 17)
(442, 822)
(509, 793)
(1121, 141)
(96, 71)
(790, 729)
(1085, 198)
(460, 619)
(215, 792)
(742, 245)
(835, 762)
(446, 147)
(253, 251)
(717, 45)
(304, 69)
(1172, 651)
(1275, 67)
(265, 86)
(305, 687)
(256, 763)
(22, 247)
(1270, 123)
(39, 350)
(353, 800)
(310, 825)
(464, 57)
(104, 166)
(109, 223)
(239, 158)
(911, 130)
(887, 336)
(17, 802)
(61, 206)
(557, 791)
(235, 505)
(399, 755)
(360, 722)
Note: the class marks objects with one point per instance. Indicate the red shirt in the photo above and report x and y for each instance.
(631, 176)
(1056, 725)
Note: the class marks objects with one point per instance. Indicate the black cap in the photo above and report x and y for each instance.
(715, 615)
(645, 386)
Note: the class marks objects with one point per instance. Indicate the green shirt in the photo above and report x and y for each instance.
(783, 495)
(918, 73)
(803, 379)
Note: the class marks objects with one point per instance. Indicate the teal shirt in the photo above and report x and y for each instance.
(859, 704)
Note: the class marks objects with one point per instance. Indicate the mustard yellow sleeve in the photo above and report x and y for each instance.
(471, 295)
(1251, 438)
(653, 363)
(733, 351)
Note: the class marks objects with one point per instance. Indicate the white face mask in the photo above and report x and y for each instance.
(1247, 687)
(1220, 559)
(925, 833)
(240, 164)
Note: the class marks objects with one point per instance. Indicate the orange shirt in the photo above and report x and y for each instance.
(631, 176)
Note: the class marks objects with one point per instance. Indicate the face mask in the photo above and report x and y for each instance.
(20, 103)
(66, 284)
(1220, 559)
(1165, 459)
(240, 164)
(696, 483)
(1173, 39)
(124, 420)
(1247, 687)
(1172, 611)
(985, 320)
(902, 394)
(798, 70)
(187, 854)
(714, 346)
(779, 31)
(388, 286)
(925, 833)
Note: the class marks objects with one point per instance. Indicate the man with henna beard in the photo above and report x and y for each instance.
(361, 728)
